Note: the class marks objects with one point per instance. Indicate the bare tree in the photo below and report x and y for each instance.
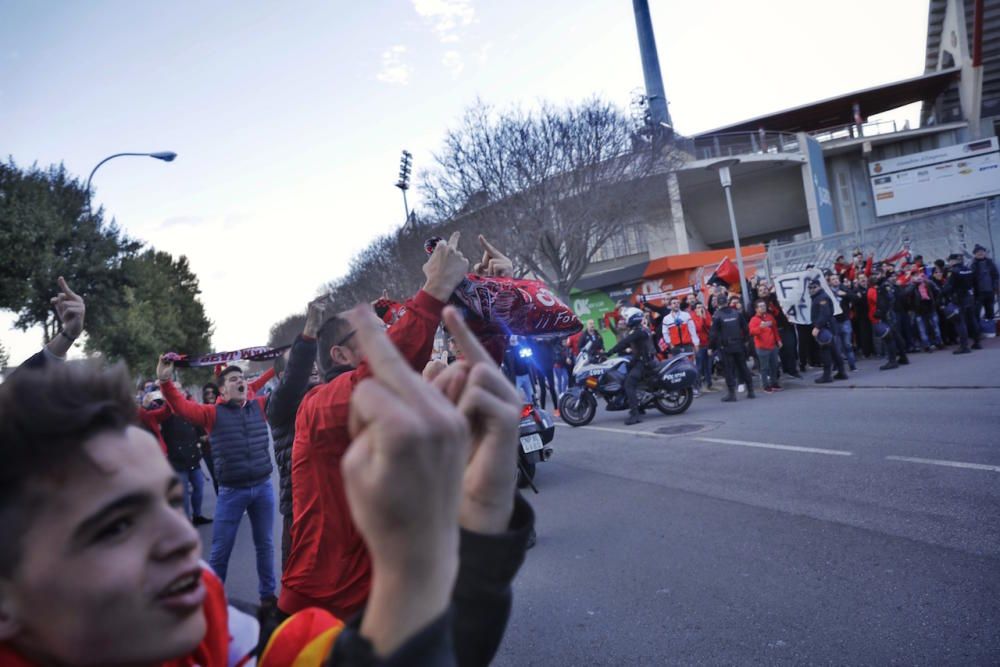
(551, 186)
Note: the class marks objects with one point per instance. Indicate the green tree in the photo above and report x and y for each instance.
(158, 310)
(46, 231)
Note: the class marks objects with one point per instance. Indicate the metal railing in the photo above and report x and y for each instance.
(933, 234)
(734, 144)
(854, 131)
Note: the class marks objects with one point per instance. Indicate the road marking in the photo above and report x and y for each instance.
(721, 441)
(950, 464)
(768, 445)
(623, 431)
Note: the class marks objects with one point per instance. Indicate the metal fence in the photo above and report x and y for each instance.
(934, 235)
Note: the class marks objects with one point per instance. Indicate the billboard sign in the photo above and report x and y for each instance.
(932, 178)
(821, 187)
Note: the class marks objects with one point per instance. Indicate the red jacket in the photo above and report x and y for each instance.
(872, 297)
(152, 419)
(764, 338)
(702, 325)
(328, 565)
(198, 414)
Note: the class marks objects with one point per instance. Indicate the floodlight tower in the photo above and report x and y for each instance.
(659, 115)
(405, 166)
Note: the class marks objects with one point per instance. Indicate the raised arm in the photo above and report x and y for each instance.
(196, 413)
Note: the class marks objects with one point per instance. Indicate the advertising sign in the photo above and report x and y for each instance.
(932, 178)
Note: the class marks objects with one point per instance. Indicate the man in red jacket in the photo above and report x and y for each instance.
(328, 565)
(767, 341)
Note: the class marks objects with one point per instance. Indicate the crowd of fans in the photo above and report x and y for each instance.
(402, 528)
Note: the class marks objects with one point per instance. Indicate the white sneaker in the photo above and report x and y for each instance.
(741, 389)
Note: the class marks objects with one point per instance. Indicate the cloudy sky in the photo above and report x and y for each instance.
(288, 118)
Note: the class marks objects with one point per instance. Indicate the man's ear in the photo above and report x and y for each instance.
(10, 627)
(337, 356)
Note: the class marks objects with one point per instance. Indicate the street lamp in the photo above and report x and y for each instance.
(405, 165)
(722, 166)
(166, 156)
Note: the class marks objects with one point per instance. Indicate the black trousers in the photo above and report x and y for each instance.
(787, 353)
(985, 301)
(967, 325)
(547, 378)
(863, 330)
(808, 349)
(734, 364)
(631, 386)
(895, 348)
(830, 356)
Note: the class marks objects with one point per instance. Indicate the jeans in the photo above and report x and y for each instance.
(562, 380)
(768, 366)
(258, 502)
(844, 336)
(703, 361)
(194, 494)
(929, 329)
(524, 383)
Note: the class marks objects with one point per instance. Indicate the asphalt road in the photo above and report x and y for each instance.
(855, 523)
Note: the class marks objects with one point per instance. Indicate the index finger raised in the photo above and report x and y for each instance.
(453, 240)
(65, 288)
(473, 350)
(489, 247)
(387, 364)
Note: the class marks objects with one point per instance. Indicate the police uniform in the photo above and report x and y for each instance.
(821, 314)
(643, 354)
(960, 288)
(729, 335)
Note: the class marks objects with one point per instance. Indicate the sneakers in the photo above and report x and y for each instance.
(776, 387)
(823, 380)
(840, 376)
(888, 366)
(730, 397)
(768, 390)
(797, 376)
(200, 520)
(633, 418)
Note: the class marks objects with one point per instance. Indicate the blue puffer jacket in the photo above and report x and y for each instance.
(240, 449)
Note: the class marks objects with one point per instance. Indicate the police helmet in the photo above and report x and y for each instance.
(881, 329)
(633, 317)
(825, 337)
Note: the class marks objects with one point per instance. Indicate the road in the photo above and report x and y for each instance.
(854, 523)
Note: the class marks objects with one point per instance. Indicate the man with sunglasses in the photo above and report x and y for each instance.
(328, 565)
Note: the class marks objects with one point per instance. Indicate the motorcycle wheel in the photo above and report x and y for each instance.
(674, 403)
(578, 412)
(522, 481)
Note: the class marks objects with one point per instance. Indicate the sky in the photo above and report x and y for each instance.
(289, 118)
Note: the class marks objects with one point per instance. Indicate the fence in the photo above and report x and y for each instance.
(934, 235)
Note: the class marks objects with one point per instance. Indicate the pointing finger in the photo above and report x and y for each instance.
(453, 241)
(488, 247)
(65, 288)
(473, 350)
(387, 364)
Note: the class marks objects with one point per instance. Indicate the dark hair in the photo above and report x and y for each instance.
(45, 415)
(759, 302)
(331, 333)
(210, 385)
(226, 371)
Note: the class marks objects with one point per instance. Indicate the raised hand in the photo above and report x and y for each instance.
(70, 309)
(164, 369)
(445, 269)
(403, 479)
(494, 263)
(492, 407)
(316, 315)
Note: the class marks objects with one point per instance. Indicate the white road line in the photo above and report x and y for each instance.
(950, 464)
(721, 441)
(623, 431)
(768, 445)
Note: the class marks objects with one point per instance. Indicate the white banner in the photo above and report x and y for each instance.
(793, 295)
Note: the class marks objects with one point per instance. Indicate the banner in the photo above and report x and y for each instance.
(246, 354)
(793, 295)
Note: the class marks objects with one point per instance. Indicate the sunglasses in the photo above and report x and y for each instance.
(346, 338)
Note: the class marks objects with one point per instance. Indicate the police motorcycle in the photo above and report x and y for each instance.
(668, 386)
(535, 430)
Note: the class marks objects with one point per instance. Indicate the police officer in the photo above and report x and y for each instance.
(729, 335)
(821, 314)
(641, 343)
(959, 289)
(885, 313)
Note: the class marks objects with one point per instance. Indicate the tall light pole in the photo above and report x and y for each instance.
(405, 165)
(166, 156)
(722, 166)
